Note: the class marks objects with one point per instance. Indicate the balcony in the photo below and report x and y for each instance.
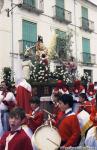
(61, 14)
(88, 58)
(36, 6)
(23, 44)
(87, 25)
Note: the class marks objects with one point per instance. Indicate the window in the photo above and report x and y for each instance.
(60, 9)
(29, 2)
(84, 12)
(61, 43)
(86, 50)
(85, 21)
(29, 33)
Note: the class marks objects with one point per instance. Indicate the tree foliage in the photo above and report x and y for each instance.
(7, 75)
(60, 46)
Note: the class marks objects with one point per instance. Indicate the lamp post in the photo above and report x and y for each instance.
(12, 40)
(12, 33)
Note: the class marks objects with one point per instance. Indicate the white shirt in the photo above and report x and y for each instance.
(9, 97)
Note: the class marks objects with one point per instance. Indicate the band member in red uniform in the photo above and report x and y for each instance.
(78, 88)
(35, 118)
(60, 88)
(67, 123)
(55, 100)
(16, 139)
(93, 115)
(84, 104)
(91, 92)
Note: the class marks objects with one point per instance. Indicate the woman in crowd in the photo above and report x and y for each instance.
(7, 102)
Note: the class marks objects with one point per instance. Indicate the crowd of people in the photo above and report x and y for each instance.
(73, 116)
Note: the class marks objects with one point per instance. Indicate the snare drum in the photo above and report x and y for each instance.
(46, 138)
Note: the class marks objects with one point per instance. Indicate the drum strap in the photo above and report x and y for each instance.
(88, 130)
(61, 119)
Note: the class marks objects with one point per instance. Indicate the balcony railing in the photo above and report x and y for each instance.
(23, 44)
(88, 58)
(36, 6)
(61, 14)
(87, 25)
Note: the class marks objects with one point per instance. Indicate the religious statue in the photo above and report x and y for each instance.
(40, 48)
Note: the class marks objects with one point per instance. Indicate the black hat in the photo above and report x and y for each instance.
(67, 99)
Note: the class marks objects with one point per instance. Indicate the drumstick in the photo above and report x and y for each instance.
(49, 113)
(53, 142)
(50, 120)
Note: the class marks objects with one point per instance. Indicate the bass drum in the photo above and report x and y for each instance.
(46, 138)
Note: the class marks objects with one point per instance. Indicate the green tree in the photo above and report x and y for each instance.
(7, 75)
(60, 46)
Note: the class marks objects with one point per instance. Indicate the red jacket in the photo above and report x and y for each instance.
(36, 121)
(18, 142)
(69, 130)
(93, 114)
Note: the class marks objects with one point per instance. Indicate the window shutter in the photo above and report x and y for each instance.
(29, 33)
(86, 50)
(61, 44)
(84, 12)
(60, 9)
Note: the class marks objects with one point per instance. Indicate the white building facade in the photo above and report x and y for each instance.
(21, 26)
